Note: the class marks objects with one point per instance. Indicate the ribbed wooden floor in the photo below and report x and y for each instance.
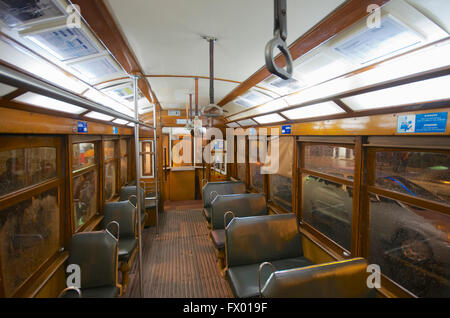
(180, 262)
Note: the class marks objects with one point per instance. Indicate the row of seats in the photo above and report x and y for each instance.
(253, 240)
(101, 254)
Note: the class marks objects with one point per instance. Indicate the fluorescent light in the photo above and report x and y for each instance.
(252, 98)
(99, 116)
(267, 119)
(105, 100)
(6, 89)
(246, 122)
(317, 110)
(272, 106)
(49, 103)
(233, 125)
(120, 121)
(95, 68)
(131, 125)
(423, 91)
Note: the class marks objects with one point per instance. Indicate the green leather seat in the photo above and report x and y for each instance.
(124, 213)
(250, 241)
(97, 255)
(127, 193)
(345, 279)
(223, 187)
(242, 205)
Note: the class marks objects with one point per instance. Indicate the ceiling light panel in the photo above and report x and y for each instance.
(312, 111)
(418, 92)
(99, 116)
(6, 89)
(268, 119)
(95, 68)
(120, 121)
(247, 122)
(252, 98)
(49, 103)
(233, 125)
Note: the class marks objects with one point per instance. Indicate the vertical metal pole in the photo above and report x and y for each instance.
(138, 179)
(155, 164)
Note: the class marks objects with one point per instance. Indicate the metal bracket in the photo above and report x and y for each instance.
(279, 41)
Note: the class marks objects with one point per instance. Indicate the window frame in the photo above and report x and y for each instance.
(123, 156)
(142, 155)
(9, 142)
(105, 161)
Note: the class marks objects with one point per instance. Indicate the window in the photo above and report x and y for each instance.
(409, 235)
(85, 183)
(30, 208)
(256, 178)
(327, 191)
(147, 158)
(110, 166)
(280, 180)
(124, 161)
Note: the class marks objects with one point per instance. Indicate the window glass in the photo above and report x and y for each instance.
(29, 236)
(124, 171)
(147, 158)
(241, 171)
(281, 191)
(83, 155)
(411, 246)
(85, 197)
(110, 180)
(110, 149)
(256, 178)
(422, 174)
(336, 161)
(20, 168)
(328, 206)
(123, 147)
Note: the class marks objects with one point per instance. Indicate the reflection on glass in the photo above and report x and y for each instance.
(411, 245)
(110, 180)
(328, 206)
(124, 171)
(20, 168)
(109, 149)
(83, 155)
(85, 197)
(422, 174)
(336, 161)
(29, 235)
(256, 178)
(241, 171)
(281, 191)
(123, 147)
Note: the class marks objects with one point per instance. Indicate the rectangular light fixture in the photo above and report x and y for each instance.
(418, 92)
(96, 67)
(267, 119)
(21, 13)
(48, 103)
(99, 116)
(317, 110)
(120, 121)
(65, 43)
(233, 125)
(372, 44)
(252, 98)
(246, 122)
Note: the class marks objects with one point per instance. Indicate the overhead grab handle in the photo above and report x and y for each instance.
(279, 41)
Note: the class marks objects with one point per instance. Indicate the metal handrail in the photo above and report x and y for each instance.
(70, 288)
(259, 274)
(118, 229)
(225, 218)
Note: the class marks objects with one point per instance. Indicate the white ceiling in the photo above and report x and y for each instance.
(166, 38)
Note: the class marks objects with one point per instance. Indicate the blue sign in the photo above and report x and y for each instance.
(115, 130)
(423, 123)
(82, 127)
(286, 130)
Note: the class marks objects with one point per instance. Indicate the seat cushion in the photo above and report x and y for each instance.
(244, 279)
(207, 213)
(126, 248)
(100, 292)
(218, 238)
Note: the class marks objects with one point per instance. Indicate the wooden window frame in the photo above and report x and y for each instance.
(142, 154)
(8, 142)
(104, 162)
(121, 157)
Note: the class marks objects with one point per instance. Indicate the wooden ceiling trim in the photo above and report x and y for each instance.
(343, 17)
(97, 15)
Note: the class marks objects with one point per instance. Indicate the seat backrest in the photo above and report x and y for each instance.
(345, 279)
(242, 205)
(128, 191)
(124, 213)
(97, 255)
(224, 187)
(258, 239)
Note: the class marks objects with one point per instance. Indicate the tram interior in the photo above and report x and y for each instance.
(163, 149)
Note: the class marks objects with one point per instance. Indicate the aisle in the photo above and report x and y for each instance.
(180, 262)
